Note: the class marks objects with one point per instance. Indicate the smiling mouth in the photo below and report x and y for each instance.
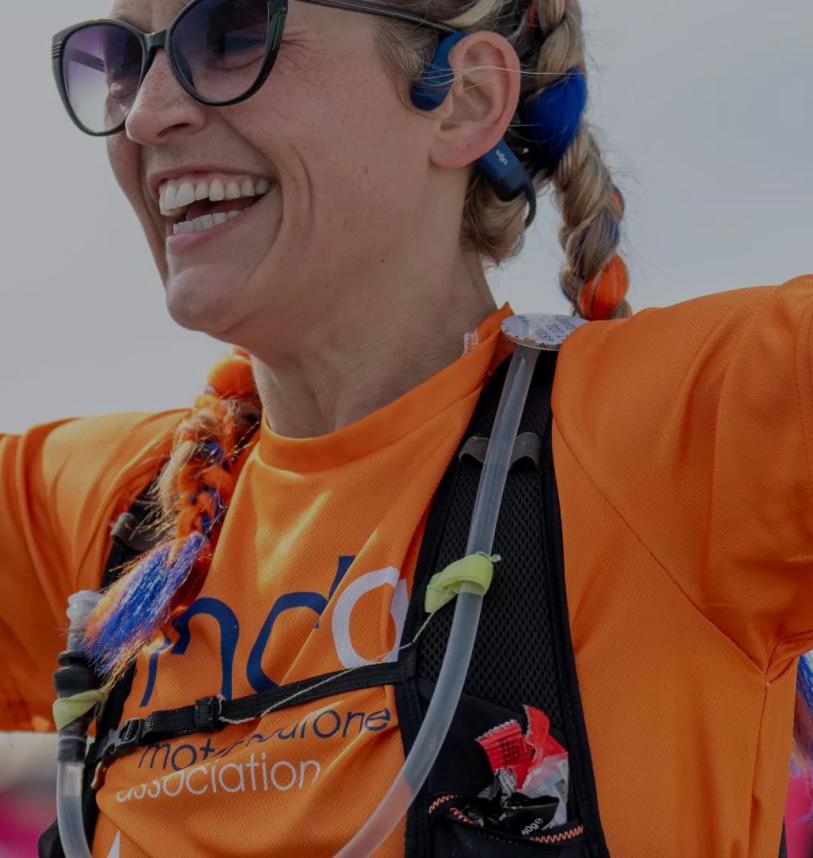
(196, 203)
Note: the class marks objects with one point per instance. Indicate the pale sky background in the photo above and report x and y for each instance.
(705, 111)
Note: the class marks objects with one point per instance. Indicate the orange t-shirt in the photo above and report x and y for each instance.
(682, 445)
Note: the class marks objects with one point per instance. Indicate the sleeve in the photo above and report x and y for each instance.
(61, 486)
(696, 423)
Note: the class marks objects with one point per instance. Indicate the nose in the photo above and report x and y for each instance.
(162, 107)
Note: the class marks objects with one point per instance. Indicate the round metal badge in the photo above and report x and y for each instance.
(541, 331)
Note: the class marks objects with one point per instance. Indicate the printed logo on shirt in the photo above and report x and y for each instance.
(257, 774)
(321, 724)
(276, 761)
(341, 620)
(285, 753)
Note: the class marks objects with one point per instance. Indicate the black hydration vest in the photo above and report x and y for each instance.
(523, 655)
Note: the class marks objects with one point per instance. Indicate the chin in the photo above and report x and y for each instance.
(198, 305)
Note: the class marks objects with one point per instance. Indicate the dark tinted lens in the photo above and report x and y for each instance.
(101, 67)
(220, 45)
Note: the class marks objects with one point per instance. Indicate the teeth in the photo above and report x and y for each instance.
(186, 195)
(175, 197)
(182, 228)
(217, 193)
(200, 224)
(205, 222)
(168, 197)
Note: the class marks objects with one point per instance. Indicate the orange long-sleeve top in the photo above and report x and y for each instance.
(683, 440)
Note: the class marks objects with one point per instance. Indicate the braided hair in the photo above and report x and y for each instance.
(548, 38)
(190, 497)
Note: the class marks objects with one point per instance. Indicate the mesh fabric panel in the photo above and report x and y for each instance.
(514, 660)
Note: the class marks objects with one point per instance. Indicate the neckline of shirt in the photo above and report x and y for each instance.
(396, 419)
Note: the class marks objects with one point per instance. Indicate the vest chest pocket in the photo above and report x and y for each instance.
(462, 815)
(457, 833)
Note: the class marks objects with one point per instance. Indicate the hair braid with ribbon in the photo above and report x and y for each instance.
(192, 495)
(594, 277)
(550, 136)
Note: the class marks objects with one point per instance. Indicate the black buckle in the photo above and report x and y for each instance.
(527, 445)
(206, 714)
(124, 740)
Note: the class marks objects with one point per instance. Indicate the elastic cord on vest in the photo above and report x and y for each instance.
(73, 678)
(457, 658)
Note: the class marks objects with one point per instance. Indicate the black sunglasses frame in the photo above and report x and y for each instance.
(151, 42)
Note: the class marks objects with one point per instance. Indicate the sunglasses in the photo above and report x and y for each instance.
(220, 51)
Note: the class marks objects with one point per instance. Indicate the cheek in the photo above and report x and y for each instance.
(369, 166)
(342, 135)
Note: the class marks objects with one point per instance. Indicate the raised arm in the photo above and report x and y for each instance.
(696, 424)
(61, 485)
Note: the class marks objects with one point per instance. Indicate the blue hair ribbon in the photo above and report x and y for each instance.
(214, 451)
(148, 594)
(552, 118)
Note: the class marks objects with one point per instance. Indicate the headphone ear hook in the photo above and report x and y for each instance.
(438, 76)
(502, 167)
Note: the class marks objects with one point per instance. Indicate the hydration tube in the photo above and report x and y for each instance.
(69, 810)
(457, 658)
(75, 676)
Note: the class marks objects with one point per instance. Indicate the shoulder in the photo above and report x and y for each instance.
(664, 359)
(70, 478)
(101, 445)
(94, 455)
(691, 427)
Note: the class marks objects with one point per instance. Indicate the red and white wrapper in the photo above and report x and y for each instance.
(532, 763)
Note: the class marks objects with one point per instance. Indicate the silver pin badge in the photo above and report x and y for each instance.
(540, 331)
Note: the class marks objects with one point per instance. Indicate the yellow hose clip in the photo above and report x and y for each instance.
(69, 709)
(471, 574)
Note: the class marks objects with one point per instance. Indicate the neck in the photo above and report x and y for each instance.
(386, 342)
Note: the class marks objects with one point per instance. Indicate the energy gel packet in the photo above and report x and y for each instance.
(531, 775)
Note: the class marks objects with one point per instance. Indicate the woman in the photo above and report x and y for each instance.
(335, 230)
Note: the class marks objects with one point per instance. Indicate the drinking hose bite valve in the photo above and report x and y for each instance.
(78, 695)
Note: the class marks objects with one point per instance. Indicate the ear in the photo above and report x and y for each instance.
(481, 103)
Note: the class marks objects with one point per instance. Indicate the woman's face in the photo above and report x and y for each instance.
(328, 134)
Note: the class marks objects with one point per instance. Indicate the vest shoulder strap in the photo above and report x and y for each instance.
(523, 653)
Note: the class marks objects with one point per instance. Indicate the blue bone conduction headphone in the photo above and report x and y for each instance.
(552, 120)
(501, 165)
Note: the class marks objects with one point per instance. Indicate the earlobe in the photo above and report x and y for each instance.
(481, 101)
